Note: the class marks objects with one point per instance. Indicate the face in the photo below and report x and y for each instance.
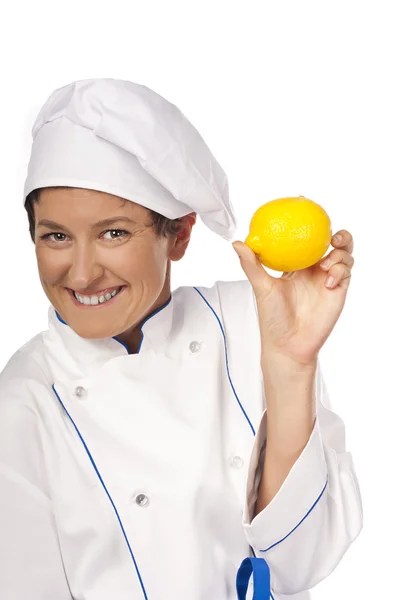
(100, 262)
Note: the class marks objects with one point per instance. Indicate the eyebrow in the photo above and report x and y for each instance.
(104, 223)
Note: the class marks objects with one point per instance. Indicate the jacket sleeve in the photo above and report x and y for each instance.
(31, 565)
(30, 559)
(317, 513)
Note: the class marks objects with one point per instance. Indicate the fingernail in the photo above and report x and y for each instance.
(326, 264)
(338, 238)
(330, 282)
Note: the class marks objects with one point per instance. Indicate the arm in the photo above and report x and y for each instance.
(31, 566)
(30, 559)
(311, 521)
(302, 490)
(291, 419)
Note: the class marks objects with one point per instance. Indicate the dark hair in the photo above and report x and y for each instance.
(162, 225)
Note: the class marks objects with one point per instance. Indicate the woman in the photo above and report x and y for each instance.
(137, 459)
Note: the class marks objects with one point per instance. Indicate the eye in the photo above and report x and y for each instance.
(53, 237)
(116, 234)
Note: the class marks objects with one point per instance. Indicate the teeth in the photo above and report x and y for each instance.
(93, 300)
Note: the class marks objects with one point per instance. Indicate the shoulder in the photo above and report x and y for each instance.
(225, 293)
(23, 364)
(21, 381)
(232, 303)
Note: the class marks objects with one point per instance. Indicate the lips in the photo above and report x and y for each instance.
(97, 293)
(95, 301)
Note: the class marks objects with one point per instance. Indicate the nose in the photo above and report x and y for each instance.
(84, 267)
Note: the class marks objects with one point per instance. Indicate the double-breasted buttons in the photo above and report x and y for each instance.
(142, 500)
(80, 391)
(195, 347)
(236, 462)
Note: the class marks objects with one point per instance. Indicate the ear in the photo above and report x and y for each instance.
(183, 237)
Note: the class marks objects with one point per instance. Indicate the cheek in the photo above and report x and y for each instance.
(147, 266)
(51, 265)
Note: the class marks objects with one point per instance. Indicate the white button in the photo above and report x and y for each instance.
(194, 347)
(142, 500)
(236, 462)
(80, 391)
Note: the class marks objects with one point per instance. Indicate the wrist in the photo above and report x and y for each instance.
(276, 366)
(289, 388)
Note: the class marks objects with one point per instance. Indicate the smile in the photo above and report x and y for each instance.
(94, 300)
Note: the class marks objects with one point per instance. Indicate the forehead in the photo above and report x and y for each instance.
(81, 204)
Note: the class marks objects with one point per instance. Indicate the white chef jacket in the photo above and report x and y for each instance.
(134, 476)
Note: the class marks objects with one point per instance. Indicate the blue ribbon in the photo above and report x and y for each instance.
(261, 579)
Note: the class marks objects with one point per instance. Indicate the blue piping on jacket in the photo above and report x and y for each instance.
(226, 361)
(300, 522)
(106, 491)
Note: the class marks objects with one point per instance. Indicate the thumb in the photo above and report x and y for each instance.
(260, 280)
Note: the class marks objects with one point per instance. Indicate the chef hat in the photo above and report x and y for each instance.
(122, 138)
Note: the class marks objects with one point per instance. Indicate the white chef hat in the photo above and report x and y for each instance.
(123, 138)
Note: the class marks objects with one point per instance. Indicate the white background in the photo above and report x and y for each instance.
(293, 98)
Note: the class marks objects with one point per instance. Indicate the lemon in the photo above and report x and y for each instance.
(289, 234)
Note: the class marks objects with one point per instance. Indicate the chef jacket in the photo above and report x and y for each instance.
(135, 476)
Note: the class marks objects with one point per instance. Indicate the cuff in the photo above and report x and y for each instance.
(298, 495)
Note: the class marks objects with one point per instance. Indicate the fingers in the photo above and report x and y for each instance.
(260, 280)
(339, 276)
(340, 261)
(337, 257)
(343, 240)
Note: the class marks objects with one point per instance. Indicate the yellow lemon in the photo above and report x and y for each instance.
(289, 234)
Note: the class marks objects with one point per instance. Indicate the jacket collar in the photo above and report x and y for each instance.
(155, 329)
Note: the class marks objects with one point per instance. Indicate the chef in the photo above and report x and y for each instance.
(154, 442)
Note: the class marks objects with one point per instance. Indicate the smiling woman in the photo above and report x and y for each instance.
(82, 265)
(137, 461)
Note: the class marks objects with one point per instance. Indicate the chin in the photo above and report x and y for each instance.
(95, 335)
(90, 331)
